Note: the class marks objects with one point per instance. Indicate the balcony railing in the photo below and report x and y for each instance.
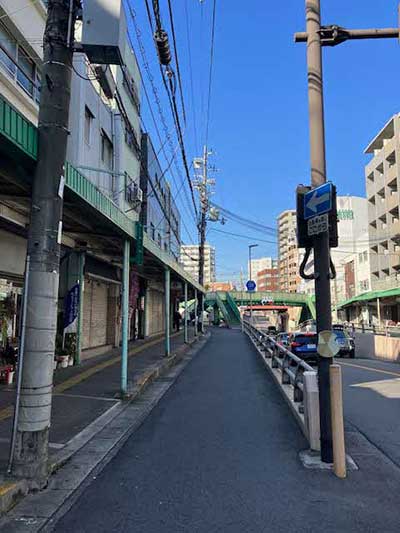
(17, 73)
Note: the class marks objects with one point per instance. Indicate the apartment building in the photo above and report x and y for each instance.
(288, 253)
(105, 146)
(189, 258)
(268, 279)
(382, 175)
(159, 216)
(21, 36)
(261, 263)
(224, 286)
(102, 194)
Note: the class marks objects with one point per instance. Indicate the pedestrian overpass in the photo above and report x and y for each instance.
(227, 303)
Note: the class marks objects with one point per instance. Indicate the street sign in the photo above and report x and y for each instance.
(327, 344)
(318, 201)
(251, 285)
(317, 225)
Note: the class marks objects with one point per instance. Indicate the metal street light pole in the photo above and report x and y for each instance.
(321, 243)
(251, 246)
(317, 36)
(334, 35)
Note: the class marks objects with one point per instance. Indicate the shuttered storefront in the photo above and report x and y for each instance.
(155, 311)
(95, 311)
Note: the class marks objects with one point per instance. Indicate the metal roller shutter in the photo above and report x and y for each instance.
(95, 310)
(98, 326)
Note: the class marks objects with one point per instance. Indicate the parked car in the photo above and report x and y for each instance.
(283, 339)
(272, 331)
(304, 345)
(338, 327)
(346, 343)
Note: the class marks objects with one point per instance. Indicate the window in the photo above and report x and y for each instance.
(153, 231)
(365, 255)
(159, 240)
(131, 141)
(8, 50)
(360, 257)
(26, 72)
(106, 151)
(18, 64)
(88, 125)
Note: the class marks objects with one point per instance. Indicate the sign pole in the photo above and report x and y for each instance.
(321, 241)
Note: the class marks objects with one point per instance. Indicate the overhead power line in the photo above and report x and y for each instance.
(211, 69)
(178, 72)
(157, 101)
(256, 226)
(171, 97)
(248, 237)
(191, 76)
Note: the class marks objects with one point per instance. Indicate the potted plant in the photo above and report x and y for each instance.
(61, 353)
(70, 347)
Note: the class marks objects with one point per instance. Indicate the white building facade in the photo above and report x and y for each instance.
(189, 259)
(382, 175)
(261, 263)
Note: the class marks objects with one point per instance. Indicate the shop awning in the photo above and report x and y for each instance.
(371, 295)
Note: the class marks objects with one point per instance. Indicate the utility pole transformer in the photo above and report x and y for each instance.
(44, 239)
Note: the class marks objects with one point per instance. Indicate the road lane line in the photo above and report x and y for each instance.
(389, 373)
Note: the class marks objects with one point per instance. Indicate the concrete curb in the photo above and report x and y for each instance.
(91, 450)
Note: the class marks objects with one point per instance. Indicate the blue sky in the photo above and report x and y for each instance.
(259, 109)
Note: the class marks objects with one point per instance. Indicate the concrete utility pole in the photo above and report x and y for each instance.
(203, 225)
(202, 184)
(44, 241)
(317, 36)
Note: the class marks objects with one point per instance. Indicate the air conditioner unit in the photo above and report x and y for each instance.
(134, 194)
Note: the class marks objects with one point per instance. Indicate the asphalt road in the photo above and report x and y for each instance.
(371, 395)
(219, 453)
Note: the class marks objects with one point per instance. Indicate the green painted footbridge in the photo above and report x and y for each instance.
(227, 303)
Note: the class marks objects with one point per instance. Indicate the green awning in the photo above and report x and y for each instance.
(372, 295)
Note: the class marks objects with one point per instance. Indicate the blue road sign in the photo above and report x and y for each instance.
(251, 285)
(318, 201)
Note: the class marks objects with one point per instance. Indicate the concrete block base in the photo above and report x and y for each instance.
(312, 460)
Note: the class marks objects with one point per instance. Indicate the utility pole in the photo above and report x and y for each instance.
(317, 36)
(202, 184)
(321, 243)
(44, 239)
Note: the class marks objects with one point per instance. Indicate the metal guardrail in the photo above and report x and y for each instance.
(291, 366)
(387, 331)
(304, 399)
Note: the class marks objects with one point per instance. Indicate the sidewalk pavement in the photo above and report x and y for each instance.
(85, 399)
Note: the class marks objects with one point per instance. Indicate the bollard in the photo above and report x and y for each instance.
(339, 452)
(311, 409)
